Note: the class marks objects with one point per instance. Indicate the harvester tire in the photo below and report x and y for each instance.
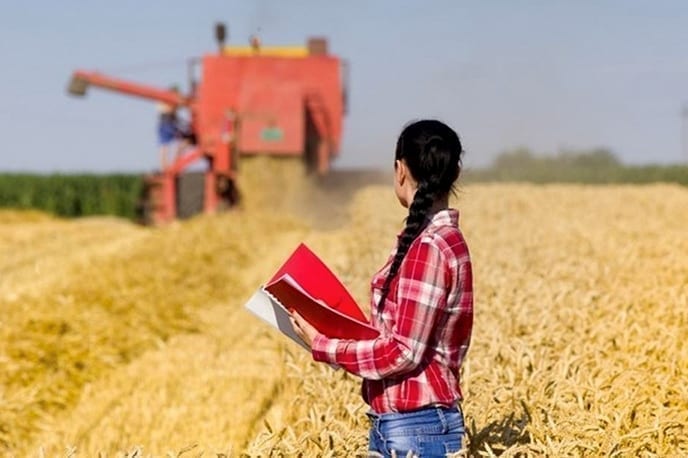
(190, 193)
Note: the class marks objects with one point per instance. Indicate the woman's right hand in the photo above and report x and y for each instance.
(303, 328)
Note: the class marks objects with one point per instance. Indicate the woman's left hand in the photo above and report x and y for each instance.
(303, 328)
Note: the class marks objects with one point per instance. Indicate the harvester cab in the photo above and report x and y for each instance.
(252, 100)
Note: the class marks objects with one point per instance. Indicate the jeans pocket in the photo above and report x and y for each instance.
(438, 446)
(403, 447)
(452, 446)
(376, 442)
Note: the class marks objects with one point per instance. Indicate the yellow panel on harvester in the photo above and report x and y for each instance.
(271, 51)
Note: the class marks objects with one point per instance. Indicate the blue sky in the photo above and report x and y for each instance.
(548, 75)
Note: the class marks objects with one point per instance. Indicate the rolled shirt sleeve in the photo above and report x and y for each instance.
(420, 298)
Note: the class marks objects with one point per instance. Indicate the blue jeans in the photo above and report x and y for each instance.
(425, 433)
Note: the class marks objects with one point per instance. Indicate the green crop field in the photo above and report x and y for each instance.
(72, 195)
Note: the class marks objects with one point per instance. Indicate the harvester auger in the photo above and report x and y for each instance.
(277, 101)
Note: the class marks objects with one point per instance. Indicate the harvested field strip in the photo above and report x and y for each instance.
(102, 318)
(210, 369)
(35, 256)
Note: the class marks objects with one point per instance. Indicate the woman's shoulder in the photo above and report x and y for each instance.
(447, 239)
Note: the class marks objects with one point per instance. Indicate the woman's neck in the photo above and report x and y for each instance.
(440, 204)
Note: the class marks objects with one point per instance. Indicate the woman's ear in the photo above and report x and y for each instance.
(400, 172)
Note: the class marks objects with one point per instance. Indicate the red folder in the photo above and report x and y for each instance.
(305, 284)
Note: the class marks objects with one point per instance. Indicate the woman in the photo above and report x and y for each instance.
(422, 304)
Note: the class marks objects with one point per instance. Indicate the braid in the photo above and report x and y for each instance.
(415, 223)
(432, 152)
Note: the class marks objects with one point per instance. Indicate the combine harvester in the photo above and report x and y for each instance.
(276, 101)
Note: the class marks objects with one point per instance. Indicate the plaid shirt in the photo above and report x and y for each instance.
(425, 325)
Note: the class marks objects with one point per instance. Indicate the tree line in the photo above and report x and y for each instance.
(595, 166)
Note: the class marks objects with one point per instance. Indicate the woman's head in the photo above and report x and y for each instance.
(427, 156)
(427, 163)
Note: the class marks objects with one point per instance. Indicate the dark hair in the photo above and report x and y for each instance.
(432, 152)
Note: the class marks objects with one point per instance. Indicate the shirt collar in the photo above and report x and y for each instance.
(446, 217)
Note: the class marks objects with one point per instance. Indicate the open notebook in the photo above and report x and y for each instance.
(305, 284)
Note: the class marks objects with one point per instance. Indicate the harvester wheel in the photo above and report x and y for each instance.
(190, 193)
(144, 205)
(228, 192)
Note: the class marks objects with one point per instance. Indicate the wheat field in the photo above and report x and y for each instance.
(119, 340)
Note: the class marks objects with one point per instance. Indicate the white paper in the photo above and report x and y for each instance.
(265, 307)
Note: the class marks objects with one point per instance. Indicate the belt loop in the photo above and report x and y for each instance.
(443, 419)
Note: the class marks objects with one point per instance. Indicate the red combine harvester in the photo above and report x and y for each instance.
(277, 101)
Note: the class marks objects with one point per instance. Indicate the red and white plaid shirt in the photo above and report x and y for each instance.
(425, 325)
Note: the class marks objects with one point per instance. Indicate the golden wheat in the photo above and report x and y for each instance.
(136, 341)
